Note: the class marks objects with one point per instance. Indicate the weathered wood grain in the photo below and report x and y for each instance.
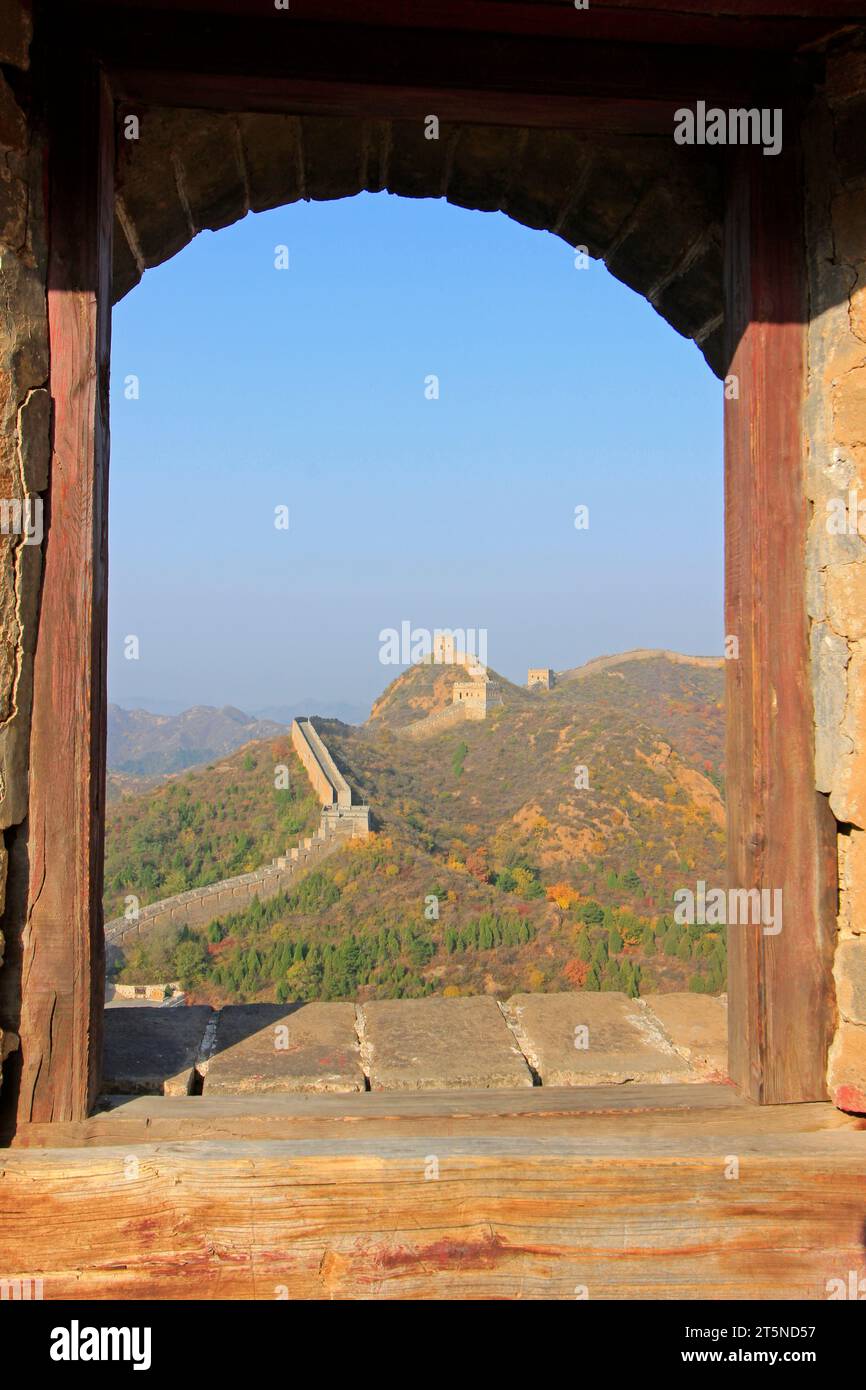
(277, 1115)
(781, 835)
(599, 1112)
(62, 1004)
(437, 1217)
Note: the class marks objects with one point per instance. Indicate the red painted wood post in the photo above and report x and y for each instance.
(781, 1008)
(63, 974)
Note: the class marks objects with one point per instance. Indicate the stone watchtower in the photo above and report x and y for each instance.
(539, 675)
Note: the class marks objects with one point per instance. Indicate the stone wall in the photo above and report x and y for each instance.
(605, 663)
(199, 906)
(328, 781)
(25, 413)
(437, 722)
(835, 423)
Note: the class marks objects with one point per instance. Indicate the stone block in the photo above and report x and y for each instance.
(667, 224)
(588, 1039)
(850, 970)
(849, 406)
(333, 149)
(152, 1051)
(696, 297)
(697, 1027)
(830, 655)
(848, 796)
(16, 31)
(261, 1048)
(210, 173)
(551, 165)
(850, 147)
(147, 187)
(847, 1070)
(846, 598)
(849, 225)
(439, 1044)
(34, 439)
(484, 157)
(617, 178)
(418, 167)
(272, 154)
(13, 124)
(854, 881)
(377, 139)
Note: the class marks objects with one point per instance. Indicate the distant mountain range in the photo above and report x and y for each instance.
(151, 744)
(147, 745)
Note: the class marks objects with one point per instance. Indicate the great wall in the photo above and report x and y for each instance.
(472, 698)
(341, 820)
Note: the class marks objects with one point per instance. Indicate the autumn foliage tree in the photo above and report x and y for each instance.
(563, 895)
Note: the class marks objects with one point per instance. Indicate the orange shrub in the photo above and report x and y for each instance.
(563, 895)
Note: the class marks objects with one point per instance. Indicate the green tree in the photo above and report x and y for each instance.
(189, 961)
(592, 913)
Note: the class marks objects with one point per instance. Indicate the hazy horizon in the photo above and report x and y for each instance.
(314, 704)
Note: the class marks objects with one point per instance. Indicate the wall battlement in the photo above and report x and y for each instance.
(341, 821)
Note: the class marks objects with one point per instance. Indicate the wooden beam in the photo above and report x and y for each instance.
(737, 23)
(205, 91)
(675, 1112)
(781, 835)
(251, 64)
(63, 985)
(627, 1215)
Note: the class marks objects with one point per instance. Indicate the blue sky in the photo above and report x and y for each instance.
(305, 388)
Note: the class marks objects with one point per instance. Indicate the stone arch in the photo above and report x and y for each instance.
(650, 209)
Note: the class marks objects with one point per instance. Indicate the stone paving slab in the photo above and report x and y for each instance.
(439, 1044)
(589, 1039)
(697, 1026)
(152, 1051)
(261, 1048)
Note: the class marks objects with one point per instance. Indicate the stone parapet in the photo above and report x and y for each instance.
(436, 1044)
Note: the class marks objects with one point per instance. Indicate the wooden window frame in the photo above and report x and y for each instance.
(781, 832)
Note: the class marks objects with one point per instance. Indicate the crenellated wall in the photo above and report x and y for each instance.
(341, 821)
(199, 906)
